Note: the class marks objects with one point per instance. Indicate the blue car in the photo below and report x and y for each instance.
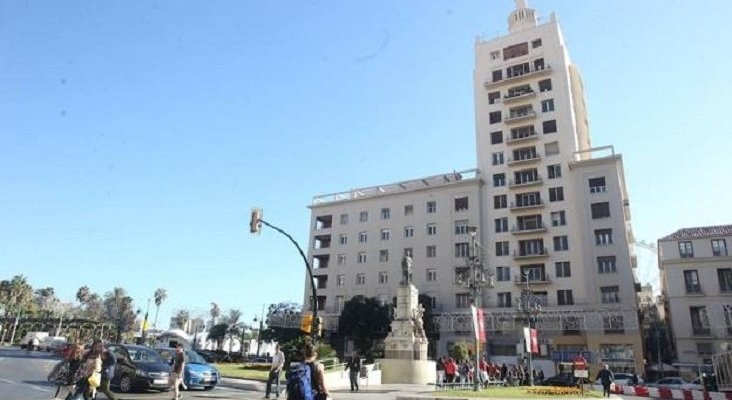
(198, 374)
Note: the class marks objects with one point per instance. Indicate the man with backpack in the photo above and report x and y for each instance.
(354, 368)
(306, 381)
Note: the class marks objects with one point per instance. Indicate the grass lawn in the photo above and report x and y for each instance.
(242, 371)
(511, 393)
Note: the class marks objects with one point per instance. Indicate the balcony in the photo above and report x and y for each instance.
(528, 229)
(541, 280)
(523, 161)
(697, 330)
(515, 97)
(527, 206)
(513, 184)
(522, 138)
(520, 116)
(519, 76)
(535, 253)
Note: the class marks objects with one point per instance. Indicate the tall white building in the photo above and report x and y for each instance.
(550, 209)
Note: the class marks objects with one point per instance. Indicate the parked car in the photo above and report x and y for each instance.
(622, 379)
(560, 380)
(696, 384)
(139, 367)
(672, 382)
(52, 343)
(197, 374)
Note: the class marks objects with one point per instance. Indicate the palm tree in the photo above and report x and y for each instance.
(181, 318)
(83, 294)
(234, 328)
(160, 296)
(46, 300)
(215, 313)
(18, 294)
(120, 311)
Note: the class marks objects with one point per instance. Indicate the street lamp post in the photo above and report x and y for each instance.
(528, 304)
(259, 332)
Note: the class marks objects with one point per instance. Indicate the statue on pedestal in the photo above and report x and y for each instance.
(417, 315)
(406, 271)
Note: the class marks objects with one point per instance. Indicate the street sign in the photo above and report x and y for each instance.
(581, 373)
(580, 363)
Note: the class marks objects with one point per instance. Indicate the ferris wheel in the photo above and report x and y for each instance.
(647, 270)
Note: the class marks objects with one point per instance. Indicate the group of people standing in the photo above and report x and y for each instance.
(83, 373)
(450, 371)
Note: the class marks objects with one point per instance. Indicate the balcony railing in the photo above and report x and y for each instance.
(526, 229)
(525, 160)
(536, 253)
(520, 75)
(514, 184)
(520, 138)
(515, 117)
(542, 280)
(526, 206)
(518, 96)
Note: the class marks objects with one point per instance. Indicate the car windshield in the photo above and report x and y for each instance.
(194, 358)
(144, 356)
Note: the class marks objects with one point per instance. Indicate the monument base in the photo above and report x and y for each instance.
(415, 372)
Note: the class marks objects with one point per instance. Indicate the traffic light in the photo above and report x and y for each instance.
(307, 323)
(255, 223)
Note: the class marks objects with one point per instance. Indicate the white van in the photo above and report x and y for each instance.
(50, 343)
(30, 336)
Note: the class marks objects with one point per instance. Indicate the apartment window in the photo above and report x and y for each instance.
(344, 219)
(363, 216)
(556, 194)
(408, 231)
(497, 75)
(340, 280)
(383, 255)
(686, 250)
(561, 243)
(547, 105)
(549, 126)
(606, 265)
(431, 207)
(462, 300)
(516, 50)
(562, 269)
(495, 55)
(494, 117)
(536, 43)
(558, 218)
(501, 224)
(339, 304)
(503, 274)
(408, 210)
(383, 278)
(727, 311)
(613, 324)
(501, 248)
(691, 281)
(551, 148)
(539, 64)
(385, 213)
(431, 251)
(431, 229)
(500, 201)
(363, 237)
(603, 237)
(597, 185)
(431, 275)
(408, 252)
(554, 171)
(461, 204)
(705, 351)
(528, 199)
(385, 234)
(504, 299)
(362, 257)
(360, 279)
(526, 176)
(343, 239)
(699, 320)
(461, 227)
(497, 158)
(600, 210)
(341, 259)
(719, 248)
(565, 298)
(462, 250)
(493, 97)
(545, 85)
(531, 247)
(725, 279)
(499, 180)
(610, 294)
(497, 137)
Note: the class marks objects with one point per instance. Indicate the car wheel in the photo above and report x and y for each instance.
(208, 388)
(125, 384)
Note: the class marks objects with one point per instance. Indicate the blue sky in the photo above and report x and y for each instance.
(135, 136)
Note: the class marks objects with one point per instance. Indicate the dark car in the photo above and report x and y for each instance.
(197, 374)
(139, 367)
(560, 380)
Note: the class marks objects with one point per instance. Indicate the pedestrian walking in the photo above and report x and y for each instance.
(64, 377)
(176, 371)
(307, 379)
(109, 362)
(89, 373)
(354, 368)
(606, 378)
(278, 361)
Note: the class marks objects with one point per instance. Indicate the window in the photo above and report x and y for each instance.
(431, 229)
(503, 274)
(545, 85)
(360, 279)
(610, 294)
(533, 273)
(528, 199)
(536, 43)
(539, 64)
(462, 300)
(686, 250)
(341, 259)
(551, 148)
(462, 250)
(558, 218)
(461, 204)
(340, 280)
(493, 97)
(547, 105)
(516, 50)
(705, 351)
(561, 243)
(383, 278)
(600, 210)
(526, 176)
(431, 251)
(408, 209)
(565, 298)
(603, 237)
(344, 219)
(339, 303)
(719, 248)
(699, 320)
(597, 185)
(499, 180)
(500, 201)
(431, 207)
(554, 171)
(408, 231)
(362, 257)
(494, 117)
(385, 234)
(556, 194)
(363, 216)
(562, 269)
(613, 324)
(725, 279)
(727, 311)
(496, 137)
(461, 227)
(501, 224)
(504, 299)
(343, 239)
(431, 275)
(497, 158)
(363, 237)
(497, 75)
(691, 281)
(408, 252)
(531, 247)
(501, 248)
(385, 213)
(495, 55)
(383, 255)
(549, 126)
(606, 265)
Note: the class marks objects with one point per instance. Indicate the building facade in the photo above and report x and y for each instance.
(553, 216)
(696, 279)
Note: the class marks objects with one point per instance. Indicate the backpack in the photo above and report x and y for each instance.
(300, 382)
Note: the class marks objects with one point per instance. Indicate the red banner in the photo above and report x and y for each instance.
(481, 326)
(534, 341)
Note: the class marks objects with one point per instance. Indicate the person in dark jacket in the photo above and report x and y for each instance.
(109, 362)
(606, 378)
(354, 368)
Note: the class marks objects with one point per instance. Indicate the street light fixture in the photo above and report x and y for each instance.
(528, 304)
(259, 332)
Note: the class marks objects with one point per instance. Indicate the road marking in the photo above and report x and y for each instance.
(7, 381)
(42, 389)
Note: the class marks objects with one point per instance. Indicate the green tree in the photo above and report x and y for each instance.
(233, 326)
(215, 312)
(159, 297)
(16, 296)
(181, 319)
(365, 320)
(217, 334)
(120, 311)
(459, 351)
(46, 301)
